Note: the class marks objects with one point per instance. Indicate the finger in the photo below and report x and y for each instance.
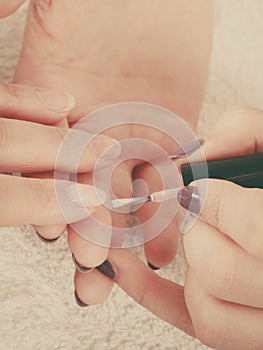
(223, 325)
(90, 244)
(49, 234)
(34, 104)
(222, 268)
(92, 288)
(90, 251)
(84, 239)
(86, 254)
(36, 201)
(160, 249)
(162, 297)
(247, 138)
(233, 210)
(7, 7)
(41, 146)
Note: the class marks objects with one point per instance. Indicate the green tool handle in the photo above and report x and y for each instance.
(246, 171)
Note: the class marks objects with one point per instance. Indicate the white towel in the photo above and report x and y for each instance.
(36, 290)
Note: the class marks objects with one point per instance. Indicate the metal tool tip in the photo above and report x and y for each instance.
(122, 202)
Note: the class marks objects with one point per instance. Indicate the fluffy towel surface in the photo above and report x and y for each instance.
(36, 302)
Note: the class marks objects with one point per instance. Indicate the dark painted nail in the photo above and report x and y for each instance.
(107, 269)
(189, 198)
(188, 149)
(79, 302)
(79, 267)
(46, 240)
(152, 266)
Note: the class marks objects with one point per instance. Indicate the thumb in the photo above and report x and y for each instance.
(45, 201)
(41, 105)
(238, 132)
(7, 7)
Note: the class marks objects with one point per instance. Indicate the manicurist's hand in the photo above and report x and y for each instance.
(222, 300)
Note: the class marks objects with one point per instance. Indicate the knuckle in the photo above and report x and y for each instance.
(39, 195)
(11, 95)
(243, 116)
(254, 244)
(41, 9)
(238, 112)
(208, 331)
(58, 134)
(43, 3)
(214, 208)
(4, 135)
(220, 276)
(141, 292)
(140, 295)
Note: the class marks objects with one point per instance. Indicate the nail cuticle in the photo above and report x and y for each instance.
(107, 150)
(153, 267)
(78, 301)
(57, 101)
(189, 198)
(79, 194)
(46, 240)
(80, 267)
(188, 149)
(107, 269)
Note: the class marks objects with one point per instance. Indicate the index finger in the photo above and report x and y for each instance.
(230, 208)
(41, 145)
(162, 297)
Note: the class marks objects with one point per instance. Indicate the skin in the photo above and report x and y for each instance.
(34, 199)
(222, 307)
(67, 46)
(221, 302)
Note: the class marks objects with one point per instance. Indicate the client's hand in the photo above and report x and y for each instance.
(29, 147)
(108, 52)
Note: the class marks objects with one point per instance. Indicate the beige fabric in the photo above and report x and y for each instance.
(36, 304)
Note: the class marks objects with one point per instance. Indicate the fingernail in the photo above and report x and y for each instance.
(79, 302)
(86, 195)
(154, 268)
(189, 199)
(107, 269)
(55, 100)
(106, 147)
(46, 240)
(188, 149)
(187, 222)
(79, 267)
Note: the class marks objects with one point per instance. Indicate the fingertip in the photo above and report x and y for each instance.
(92, 288)
(153, 267)
(78, 301)
(8, 7)
(56, 100)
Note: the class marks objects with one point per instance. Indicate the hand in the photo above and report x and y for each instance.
(113, 53)
(28, 147)
(222, 301)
